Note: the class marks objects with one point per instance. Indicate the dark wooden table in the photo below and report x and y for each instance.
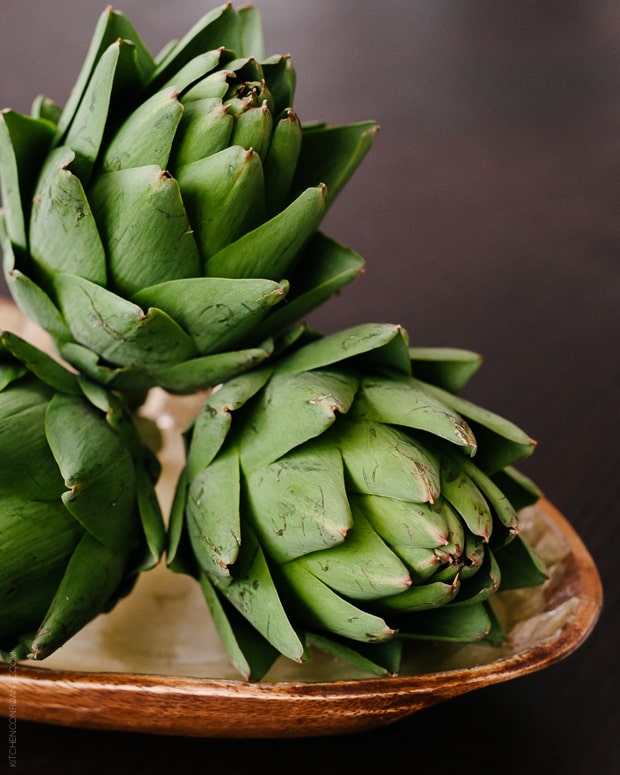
(488, 215)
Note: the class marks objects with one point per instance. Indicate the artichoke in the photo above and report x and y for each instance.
(78, 515)
(332, 500)
(162, 227)
(338, 493)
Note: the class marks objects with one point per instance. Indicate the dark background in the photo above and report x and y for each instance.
(487, 212)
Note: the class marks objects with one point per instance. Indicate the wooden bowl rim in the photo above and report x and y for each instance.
(224, 707)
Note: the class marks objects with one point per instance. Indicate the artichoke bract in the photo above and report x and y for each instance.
(79, 519)
(347, 498)
(163, 226)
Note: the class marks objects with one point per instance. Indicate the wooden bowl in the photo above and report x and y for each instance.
(155, 664)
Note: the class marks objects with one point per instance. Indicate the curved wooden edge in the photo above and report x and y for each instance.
(227, 708)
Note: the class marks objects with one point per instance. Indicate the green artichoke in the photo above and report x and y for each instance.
(163, 226)
(332, 500)
(78, 515)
